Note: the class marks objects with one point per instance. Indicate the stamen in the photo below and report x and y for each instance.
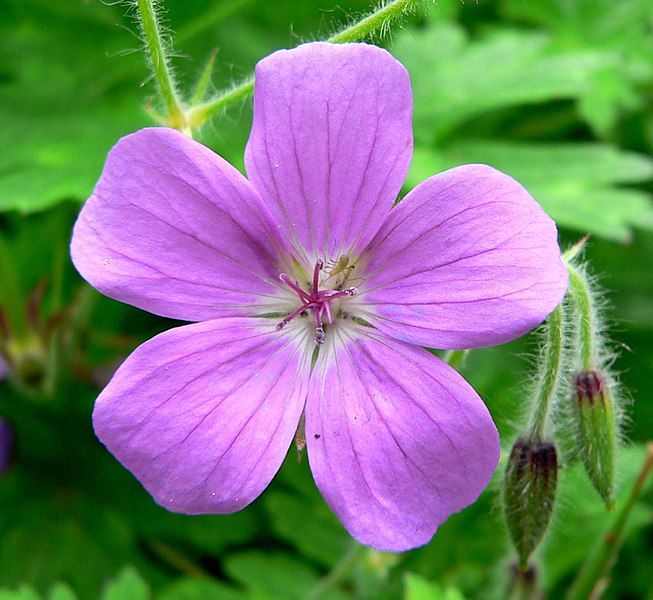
(331, 294)
(319, 328)
(327, 308)
(295, 286)
(290, 317)
(316, 276)
(317, 301)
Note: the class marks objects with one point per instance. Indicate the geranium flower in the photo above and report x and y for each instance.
(313, 294)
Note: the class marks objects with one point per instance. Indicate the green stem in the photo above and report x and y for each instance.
(200, 113)
(204, 81)
(12, 301)
(598, 565)
(549, 378)
(200, 24)
(159, 63)
(58, 267)
(380, 19)
(580, 292)
(337, 574)
(176, 559)
(367, 26)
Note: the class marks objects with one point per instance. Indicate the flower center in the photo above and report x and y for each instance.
(315, 301)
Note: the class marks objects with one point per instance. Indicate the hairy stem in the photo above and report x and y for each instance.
(594, 572)
(580, 293)
(159, 63)
(549, 377)
(377, 21)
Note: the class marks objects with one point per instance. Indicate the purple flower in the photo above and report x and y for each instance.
(312, 293)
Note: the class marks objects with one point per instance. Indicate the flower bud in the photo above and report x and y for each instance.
(27, 360)
(596, 431)
(529, 490)
(6, 445)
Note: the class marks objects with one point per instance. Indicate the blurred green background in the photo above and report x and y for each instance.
(557, 93)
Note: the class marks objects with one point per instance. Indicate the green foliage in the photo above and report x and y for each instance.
(310, 527)
(622, 29)
(555, 93)
(275, 576)
(128, 584)
(59, 122)
(199, 589)
(455, 79)
(22, 592)
(417, 588)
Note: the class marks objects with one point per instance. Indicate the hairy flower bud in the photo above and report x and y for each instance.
(596, 431)
(529, 490)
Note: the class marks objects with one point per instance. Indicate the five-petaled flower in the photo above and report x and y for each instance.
(312, 294)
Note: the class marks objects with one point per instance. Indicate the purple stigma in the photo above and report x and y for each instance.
(317, 301)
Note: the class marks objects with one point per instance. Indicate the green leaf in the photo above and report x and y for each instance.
(22, 592)
(58, 122)
(418, 588)
(309, 526)
(623, 28)
(128, 584)
(273, 575)
(51, 538)
(199, 589)
(579, 184)
(55, 158)
(455, 79)
(61, 591)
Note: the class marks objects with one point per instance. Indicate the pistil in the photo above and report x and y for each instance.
(317, 301)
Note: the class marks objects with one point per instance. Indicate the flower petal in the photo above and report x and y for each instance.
(203, 415)
(397, 440)
(174, 229)
(467, 259)
(331, 142)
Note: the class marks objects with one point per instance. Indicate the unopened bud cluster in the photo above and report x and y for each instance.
(570, 395)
